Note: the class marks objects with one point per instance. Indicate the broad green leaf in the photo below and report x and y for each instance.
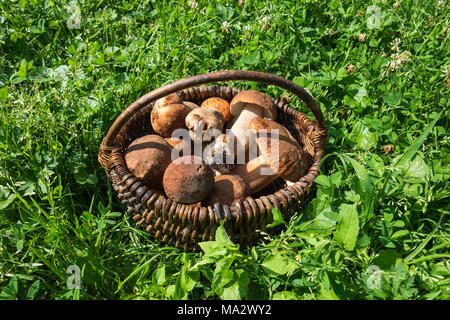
(399, 234)
(22, 73)
(3, 93)
(222, 276)
(238, 289)
(159, 275)
(14, 286)
(363, 136)
(417, 170)
(365, 185)
(192, 277)
(323, 181)
(386, 258)
(231, 292)
(251, 59)
(222, 235)
(33, 290)
(329, 294)
(392, 99)
(336, 178)
(348, 228)
(324, 221)
(277, 218)
(213, 248)
(280, 264)
(5, 203)
(181, 292)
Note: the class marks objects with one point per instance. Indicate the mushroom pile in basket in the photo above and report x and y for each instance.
(215, 152)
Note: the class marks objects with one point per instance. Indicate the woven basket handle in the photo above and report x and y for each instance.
(227, 75)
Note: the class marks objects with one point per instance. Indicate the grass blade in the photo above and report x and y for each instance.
(412, 149)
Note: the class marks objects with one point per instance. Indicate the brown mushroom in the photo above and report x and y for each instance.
(167, 118)
(200, 120)
(226, 190)
(247, 105)
(147, 158)
(219, 104)
(172, 98)
(220, 154)
(188, 180)
(281, 155)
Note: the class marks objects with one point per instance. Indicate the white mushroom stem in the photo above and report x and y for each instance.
(240, 127)
(256, 173)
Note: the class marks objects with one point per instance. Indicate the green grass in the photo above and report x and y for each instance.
(378, 225)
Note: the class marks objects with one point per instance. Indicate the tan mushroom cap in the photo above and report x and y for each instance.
(219, 104)
(188, 180)
(227, 189)
(147, 158)
(168, 118)
(253, 97)
(206, 118)
(172, 98)
(290, 160)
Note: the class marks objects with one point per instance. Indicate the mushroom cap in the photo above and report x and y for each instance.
(172, 98)
(253, 97)
(291, 160)
(166, 119)
(227, 189)
(220, 154)
(190, 105)
(147, 158)
(188, 180)
(219, 104)
(206, 118)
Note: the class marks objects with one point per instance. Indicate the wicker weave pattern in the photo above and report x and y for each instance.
(184, 225)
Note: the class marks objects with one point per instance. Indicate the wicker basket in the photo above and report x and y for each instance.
(184, 225)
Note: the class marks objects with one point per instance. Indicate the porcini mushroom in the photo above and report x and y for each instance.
(247, 105)
(220, 154)
(200, 120)
(226, 190)
(167, 118)
(147, 158)
(172, 98)
(280, 155)
(188, 180)
(219, 104)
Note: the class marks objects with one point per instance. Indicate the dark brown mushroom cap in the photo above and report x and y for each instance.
(168, 118)
(219, 104)
(291, 160)
(147, 158)
(188, 180)
(255, 98)
(227, 189)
